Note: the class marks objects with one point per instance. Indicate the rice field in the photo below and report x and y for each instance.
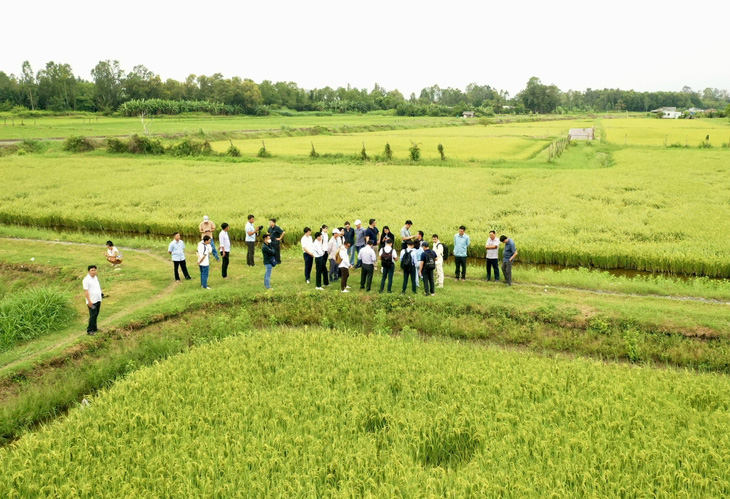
(655, 209)
(670, 133)
(317, 413)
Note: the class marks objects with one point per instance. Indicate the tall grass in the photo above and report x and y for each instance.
(31, 314)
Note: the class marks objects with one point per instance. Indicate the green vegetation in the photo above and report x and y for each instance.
(321, 413)
(31, 314)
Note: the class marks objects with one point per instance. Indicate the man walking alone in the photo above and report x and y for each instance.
(93, 295)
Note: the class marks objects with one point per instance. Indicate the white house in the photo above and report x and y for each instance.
(669, 113)
(467, 114)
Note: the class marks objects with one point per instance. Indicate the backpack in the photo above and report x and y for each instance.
(430, 261)
(386, 259)
(445, 250)
(338, 257)
(406, 262)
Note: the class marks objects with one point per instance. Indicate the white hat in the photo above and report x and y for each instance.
(358, 222)
(205, 218)
(336, 231)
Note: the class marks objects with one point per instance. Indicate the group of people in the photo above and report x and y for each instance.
(420, 260)
(348, 248)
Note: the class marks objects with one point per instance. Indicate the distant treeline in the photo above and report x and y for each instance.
(111, 89)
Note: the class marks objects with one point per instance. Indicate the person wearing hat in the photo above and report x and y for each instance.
(427, 265)
(359, 242)
(368, 258)
(206, 228)
(333, 247)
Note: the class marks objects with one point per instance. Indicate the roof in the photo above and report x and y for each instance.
(581, 133)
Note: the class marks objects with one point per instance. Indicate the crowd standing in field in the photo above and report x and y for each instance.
(421, 262)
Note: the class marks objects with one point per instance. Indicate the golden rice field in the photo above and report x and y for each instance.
(319, 414)
(503, 141)
(609, 206)
(677, 133)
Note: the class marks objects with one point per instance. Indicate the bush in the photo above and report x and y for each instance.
(31, 146)
(190, 147)
(233, 151)
(388, 152)
(116, 146)
(144, 145)
(263, 153)
(441, 152)
(31, 314)
(313, 154)
(78, 144)
(415, 151)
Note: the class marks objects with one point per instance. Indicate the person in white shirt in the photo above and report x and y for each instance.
(492, 247)
(113, 255)
(333, 247)
(177, 250)
(320, 261)
(93, 295)
(409, 271)
(251, 233)
(204, 252)
(388, 258)
(344, 265)
(225, 247)
(308, 252)
(325, 236)
(438, 248)
(369, 259)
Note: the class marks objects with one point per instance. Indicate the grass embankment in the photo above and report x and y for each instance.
(319, 412)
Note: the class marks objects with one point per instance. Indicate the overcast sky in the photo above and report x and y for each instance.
(408, 45)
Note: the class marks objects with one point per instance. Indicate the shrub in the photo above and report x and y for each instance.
(415, 151)
(116, 146)
(78, 144)
(388, 152)
(31, 314)
(313, 154)
(190, 147)
(233, 151)
(441, 152)
(263, 153)
(363, 154)
(31, 146)
(144, 145)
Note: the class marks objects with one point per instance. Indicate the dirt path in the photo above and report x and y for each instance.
(106, 322)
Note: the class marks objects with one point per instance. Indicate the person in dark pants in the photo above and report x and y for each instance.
(408, 264)
(251, 233)
(225, 247)
(344, 265)
(492, 247)
(93, 295)
(320, 261)
(308, 252)
(461, 246)
(388, 257)
(277, 234)
(359, 242)
(426, 267)
(508, 256)
(368, 258)
(177, 251)
(348, 235)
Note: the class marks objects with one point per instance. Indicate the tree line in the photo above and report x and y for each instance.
(111, 89)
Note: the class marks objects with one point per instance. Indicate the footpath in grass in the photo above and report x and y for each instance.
(319, 413)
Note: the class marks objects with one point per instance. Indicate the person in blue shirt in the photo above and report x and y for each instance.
(371, 233)
(177, 250)
(508, 256)
(461, 245)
